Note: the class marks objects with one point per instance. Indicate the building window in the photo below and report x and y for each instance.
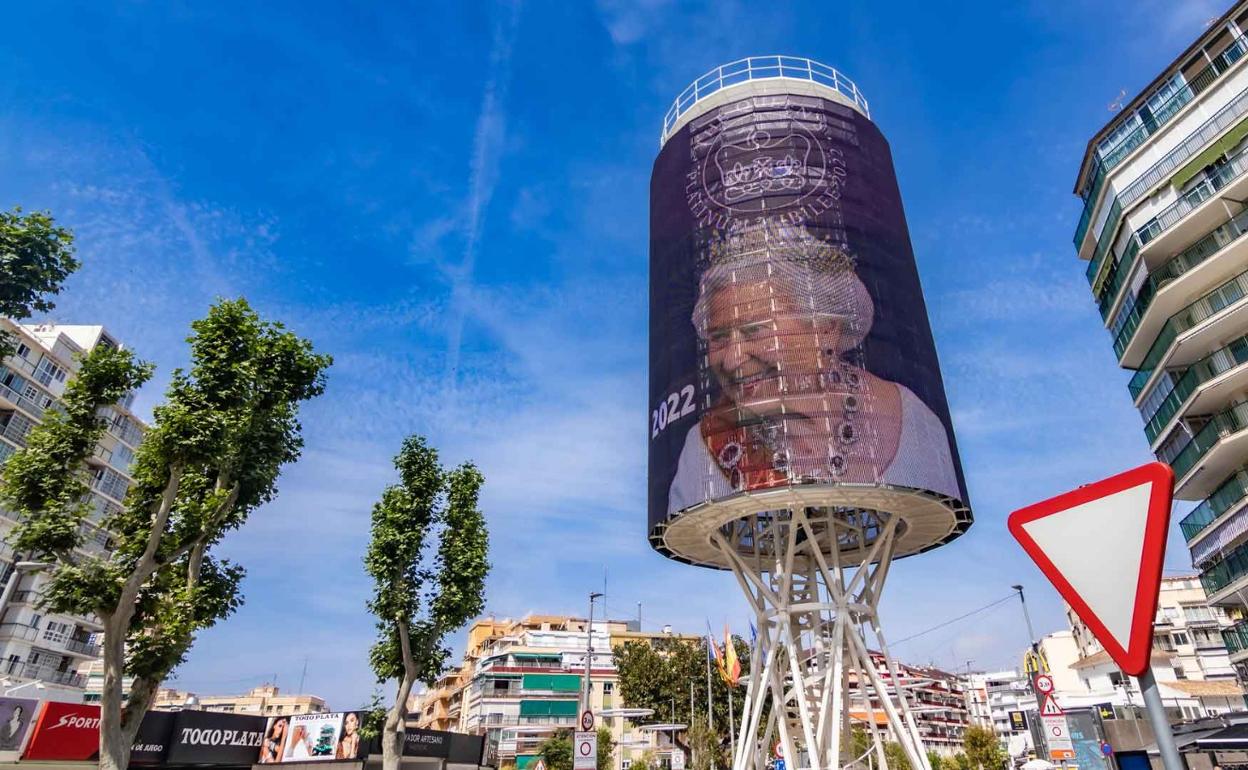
(608, 688)
(23, 350)
(47, 371)
(1180, 638)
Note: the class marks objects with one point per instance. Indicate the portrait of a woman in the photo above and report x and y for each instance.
(349, 743)
(274, 741)
(782, 316)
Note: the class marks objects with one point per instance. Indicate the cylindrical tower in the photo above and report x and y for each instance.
(799, 433)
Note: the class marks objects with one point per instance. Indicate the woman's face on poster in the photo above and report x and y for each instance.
(755, 334)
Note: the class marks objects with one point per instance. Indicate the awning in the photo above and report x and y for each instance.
(536, 656)
(1185, 741)
(548, 708)
(1211, 153)
(1209, 688)
(1233, 737)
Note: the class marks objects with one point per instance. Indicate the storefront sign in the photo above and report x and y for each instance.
(71, 732)
(208, 738)
(426, 743)
(65, 731)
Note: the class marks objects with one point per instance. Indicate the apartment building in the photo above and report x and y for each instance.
(44, 653)
(521, 681)
(266, 700)
(1189, 659)
(1164, 186)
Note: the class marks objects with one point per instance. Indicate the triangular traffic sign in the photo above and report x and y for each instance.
(1050, 708)
(1102, 547)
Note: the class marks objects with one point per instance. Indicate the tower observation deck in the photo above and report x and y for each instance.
(799, 431)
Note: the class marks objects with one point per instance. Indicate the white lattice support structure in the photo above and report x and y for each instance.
(814, 577)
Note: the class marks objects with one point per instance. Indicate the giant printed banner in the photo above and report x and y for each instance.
(789, 340)
(312, 738)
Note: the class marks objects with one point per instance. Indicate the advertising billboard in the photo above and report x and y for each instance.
(312, 738)
(71, 732)
(210, 738)
(789, 339)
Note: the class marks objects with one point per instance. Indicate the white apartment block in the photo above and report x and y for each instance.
(43, 654)
(1189, 659)
(1164, 186)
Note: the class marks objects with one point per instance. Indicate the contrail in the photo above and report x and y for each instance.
(483, 175)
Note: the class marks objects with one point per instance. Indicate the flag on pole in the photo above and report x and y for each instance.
(730, 666)
(714, 653)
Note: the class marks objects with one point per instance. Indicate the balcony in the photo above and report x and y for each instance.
(1153, 119)
(1196, 209)
(82, 647)
(52, 676)
(1207, 371)
(1224, 574)
(1227, 497)
(1102, 164)
(1218, 242)
(20, 401)
(19, 631)
(1236, 640)
(1226, 299)
(16, 429)
(1213, 453)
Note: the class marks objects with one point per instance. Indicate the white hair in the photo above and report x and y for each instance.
(816, 276)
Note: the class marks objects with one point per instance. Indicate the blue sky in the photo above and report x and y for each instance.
(452, 200)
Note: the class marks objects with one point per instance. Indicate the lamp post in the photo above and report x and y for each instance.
(589, 648)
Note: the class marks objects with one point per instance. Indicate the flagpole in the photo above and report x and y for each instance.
(732, 717)
(709, 725)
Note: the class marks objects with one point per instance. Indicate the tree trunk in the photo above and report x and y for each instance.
(114, 748)
(392, 732)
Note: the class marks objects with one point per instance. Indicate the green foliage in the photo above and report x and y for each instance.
(983, 750)
(212, 456)
(413, 594)
(374, 716)
(606, 749)
(659, 677)
(860, 742)
(36, 256)
(46, 482)
(556, 751)
(935, 760)
(959, 761)
(645, 762)
(708, 751)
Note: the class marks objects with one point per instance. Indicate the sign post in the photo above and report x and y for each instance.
(1102, 546)
(585, 751)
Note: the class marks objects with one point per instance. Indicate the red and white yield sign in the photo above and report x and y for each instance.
(1102, 547)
